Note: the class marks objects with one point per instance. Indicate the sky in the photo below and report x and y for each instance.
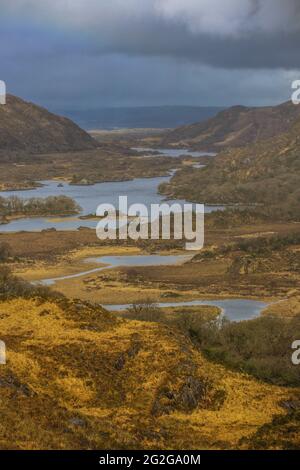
(84, 54)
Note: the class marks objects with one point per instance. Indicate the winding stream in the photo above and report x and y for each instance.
(233, 309)
(110, 262)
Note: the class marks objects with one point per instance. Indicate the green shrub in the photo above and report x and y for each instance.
(12, 286)
(261, 347)
(5, 252)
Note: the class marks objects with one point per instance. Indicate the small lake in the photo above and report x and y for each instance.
(174, 153)
(111, 262)
(234, 309)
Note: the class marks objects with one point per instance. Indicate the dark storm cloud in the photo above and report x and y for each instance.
(84, 53)
(262, 51)
(222, 33)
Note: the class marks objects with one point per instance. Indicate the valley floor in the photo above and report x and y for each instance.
(266, 276)
(80, 377)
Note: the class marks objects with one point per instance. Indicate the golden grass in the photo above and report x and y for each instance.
(286, 308)
(79, 378)
(72, 263)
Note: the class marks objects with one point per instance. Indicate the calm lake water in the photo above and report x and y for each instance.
(140, 190)
(233, 309)
(175, 153)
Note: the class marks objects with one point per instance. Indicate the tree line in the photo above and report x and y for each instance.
(51, 205)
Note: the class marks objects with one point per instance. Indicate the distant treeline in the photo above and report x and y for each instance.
(52, 205)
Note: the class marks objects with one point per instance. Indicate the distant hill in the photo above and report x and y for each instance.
(267, 172)
(234, 127)
(27, 127)
(156, 117)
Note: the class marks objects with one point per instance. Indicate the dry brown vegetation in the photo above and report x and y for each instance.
(234, 127)
(26, 127)
(87, 167)
(79, 378)
(263, 177)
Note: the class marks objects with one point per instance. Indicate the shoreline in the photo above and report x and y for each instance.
(79, 265)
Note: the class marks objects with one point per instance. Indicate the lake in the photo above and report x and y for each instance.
(174, 153)
(139, 190)
(234, 309)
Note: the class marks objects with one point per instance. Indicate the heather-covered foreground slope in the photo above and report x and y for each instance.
(78, 377)
(27, 127)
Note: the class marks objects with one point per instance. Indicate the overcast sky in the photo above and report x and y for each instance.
(75, 54)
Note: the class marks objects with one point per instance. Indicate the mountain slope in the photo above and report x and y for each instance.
(79, 378)
(235, 127)
(28, 127)
(266, 173)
